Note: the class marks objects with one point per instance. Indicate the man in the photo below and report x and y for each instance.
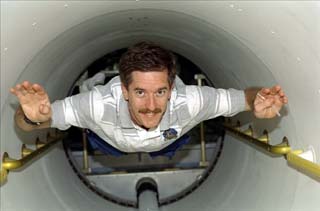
(147, 108)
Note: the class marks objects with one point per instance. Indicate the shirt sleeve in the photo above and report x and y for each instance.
(82, 110)
(207, 102)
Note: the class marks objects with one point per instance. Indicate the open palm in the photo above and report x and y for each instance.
(34, 101)
(269, 102)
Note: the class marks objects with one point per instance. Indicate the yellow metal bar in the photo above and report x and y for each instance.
(265, 137)
(280, 149)
(39, 143)
(85, 152)
(306, 166)
(292, 156)
(25, 151)
(3, 175)
(13, 164)
(203, 162)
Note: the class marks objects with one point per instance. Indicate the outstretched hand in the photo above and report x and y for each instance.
(34, 101)
(269, 101)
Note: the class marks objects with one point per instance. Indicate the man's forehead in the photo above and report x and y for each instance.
(143, 74)
(149, 80)
(155, 88)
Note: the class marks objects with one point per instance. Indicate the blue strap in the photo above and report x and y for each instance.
(99, 144)
(170, 150)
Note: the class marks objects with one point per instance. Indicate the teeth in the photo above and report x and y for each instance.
(150, 114)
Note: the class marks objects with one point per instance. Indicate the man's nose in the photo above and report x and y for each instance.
(151, 103)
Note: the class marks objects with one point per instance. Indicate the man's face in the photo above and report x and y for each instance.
(147, 95)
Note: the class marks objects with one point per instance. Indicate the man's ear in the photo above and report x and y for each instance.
(124, 91)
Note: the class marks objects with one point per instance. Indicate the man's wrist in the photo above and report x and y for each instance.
(250, 95)
(28, 121)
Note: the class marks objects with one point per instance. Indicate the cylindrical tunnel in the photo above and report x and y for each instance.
(237, 44)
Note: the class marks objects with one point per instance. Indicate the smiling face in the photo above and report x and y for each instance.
(147, 96)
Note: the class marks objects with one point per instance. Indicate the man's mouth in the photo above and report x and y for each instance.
(150, 112)
(150, 115)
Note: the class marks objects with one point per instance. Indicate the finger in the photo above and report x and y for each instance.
(38, 89)
(16, 92)
(26, 85)
(281, 93)
(279, 103)
(282, 97)
(284, 100)
(20, 90)
(259, 98)
(13, 91)
(24, 91)
(265, 91)
(18, 87)
(275, 89)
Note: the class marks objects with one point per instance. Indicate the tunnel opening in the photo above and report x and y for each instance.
(147, 186)
(178, 175)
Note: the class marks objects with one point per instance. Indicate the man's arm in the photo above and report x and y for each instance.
(82, 110)
(265, 102)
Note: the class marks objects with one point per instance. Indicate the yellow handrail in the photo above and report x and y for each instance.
(302, 164)
(86, 168)
(292, 156)
(280, 149)
(27, 155)
(203, 162)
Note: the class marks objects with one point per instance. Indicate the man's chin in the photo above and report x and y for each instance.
(148, 124)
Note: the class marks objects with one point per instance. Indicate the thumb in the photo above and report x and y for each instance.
(44, 109)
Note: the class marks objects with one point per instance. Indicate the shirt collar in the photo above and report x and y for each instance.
(124, 114)
(165, 121)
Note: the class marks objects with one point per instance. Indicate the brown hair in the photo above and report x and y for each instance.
(146, 57)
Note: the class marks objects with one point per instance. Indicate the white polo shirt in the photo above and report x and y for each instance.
(104, 111)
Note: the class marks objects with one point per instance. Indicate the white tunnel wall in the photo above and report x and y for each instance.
(237, 44)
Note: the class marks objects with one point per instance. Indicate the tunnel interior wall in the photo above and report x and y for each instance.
(236, 44)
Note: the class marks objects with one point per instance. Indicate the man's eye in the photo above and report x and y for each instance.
(160, 93)
(139, 93)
